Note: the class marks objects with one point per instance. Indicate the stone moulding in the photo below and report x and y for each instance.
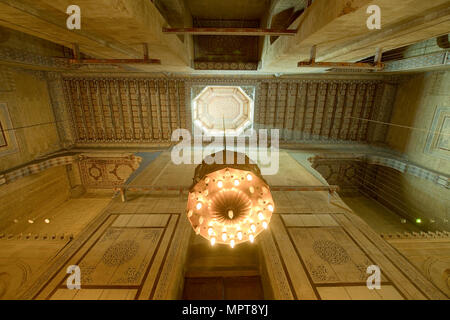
(400, 165)
(33, 168)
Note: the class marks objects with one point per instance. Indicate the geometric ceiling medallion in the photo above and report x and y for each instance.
(219, 107)
(229, 204)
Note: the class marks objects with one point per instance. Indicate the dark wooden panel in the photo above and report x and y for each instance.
(243, 288)
(228, 288)
(203, 289)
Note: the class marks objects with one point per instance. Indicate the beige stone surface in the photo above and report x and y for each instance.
(315, 248)
(31, 115)
(339, 30)
(430, 256)
(22, 261)
(32, 197)
(416, 103)
(377, 216)
(116, 31)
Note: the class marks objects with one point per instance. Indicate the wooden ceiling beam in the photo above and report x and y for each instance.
(231, 31)
(78, 60)
(312, 63)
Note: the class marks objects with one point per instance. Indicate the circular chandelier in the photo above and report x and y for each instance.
(229, 203)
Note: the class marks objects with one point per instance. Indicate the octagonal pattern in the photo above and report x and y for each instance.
(217, 106)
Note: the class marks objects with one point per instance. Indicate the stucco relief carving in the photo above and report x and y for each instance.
(106, 172)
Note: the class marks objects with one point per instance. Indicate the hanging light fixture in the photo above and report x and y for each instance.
(229, 204)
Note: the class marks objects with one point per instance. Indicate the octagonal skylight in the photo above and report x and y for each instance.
(217, 106)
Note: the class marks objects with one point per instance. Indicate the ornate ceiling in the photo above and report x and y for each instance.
(123, 110)
(221, 108)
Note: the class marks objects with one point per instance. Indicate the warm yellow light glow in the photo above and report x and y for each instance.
(232, 243)
(30, 221)
(236, 206)
(47, 220)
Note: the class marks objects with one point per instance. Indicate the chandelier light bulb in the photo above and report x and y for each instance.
(47, 220)
(30, 221)
(229, 205)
